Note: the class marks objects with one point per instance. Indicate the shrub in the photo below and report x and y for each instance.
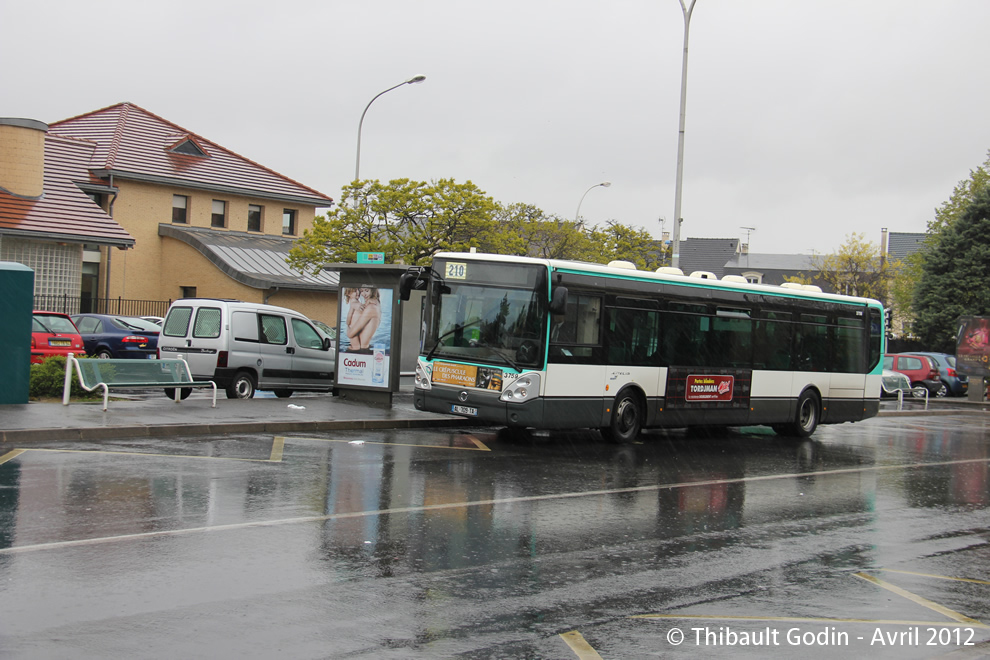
(48, 380)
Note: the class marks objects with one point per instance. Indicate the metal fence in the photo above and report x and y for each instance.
(85, 305)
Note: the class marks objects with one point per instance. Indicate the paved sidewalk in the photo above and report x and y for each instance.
(154, 414)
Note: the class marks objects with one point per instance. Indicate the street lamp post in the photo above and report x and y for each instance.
(357, 162)
(603, 184)
(675, 247)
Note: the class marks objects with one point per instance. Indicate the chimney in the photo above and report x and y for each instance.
(22, 157)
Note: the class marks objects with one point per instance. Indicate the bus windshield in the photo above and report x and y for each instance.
(503, 324)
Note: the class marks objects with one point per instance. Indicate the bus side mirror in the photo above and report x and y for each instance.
(558, 300)
(407, 282)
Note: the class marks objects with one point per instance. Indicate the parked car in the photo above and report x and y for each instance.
(109, 336)
(957, 383)
(53, 333)
(327, 331)
(920, 370)
(157, 320)
(244, 347)
(892, 382)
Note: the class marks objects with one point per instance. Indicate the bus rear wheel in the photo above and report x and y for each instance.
(627, 418)
(805, 419)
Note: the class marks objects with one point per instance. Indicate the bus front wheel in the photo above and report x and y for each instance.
(805, 419)
(627, 418)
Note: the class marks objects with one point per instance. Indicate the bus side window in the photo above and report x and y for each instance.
(575, 335)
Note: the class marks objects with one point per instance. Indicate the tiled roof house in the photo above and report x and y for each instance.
(197, 218)
(48, 219)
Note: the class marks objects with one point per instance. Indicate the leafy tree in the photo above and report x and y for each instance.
(618, 241)
(955, 271)
(962, 196)
(858, 268)
(407, 220)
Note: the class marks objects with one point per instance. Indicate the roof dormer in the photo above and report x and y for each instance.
(189, 147)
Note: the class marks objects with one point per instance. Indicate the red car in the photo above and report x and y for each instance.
(921, 370)
(53, 333)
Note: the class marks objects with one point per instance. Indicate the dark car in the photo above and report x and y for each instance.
(921, 370)
(53, 333)
(110, 336)
(957, 383)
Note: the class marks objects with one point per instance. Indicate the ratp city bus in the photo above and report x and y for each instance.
(553, 344)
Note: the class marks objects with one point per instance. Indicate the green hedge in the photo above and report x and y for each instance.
(48, 381)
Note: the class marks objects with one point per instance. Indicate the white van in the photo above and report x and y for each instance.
(244, 347)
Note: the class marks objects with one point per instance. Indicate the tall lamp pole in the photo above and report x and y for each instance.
(675, 249)
(357, 162)
(603, 184)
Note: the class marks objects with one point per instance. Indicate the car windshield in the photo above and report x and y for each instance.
(326, 329)
(53, 323)
(136, 324)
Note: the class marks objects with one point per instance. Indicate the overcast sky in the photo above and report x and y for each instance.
(806, 119)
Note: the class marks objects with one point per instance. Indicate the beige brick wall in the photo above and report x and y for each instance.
(22, 160)
(157, 267)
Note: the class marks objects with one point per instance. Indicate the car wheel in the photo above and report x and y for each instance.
(942, 390)
(184, 393)
(104, 354)
(918, 390)
(242, 387)
(283, 394)
(627, 418)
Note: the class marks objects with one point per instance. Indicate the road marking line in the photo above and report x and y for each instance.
(10, 455)
(277, 446)
(936, 577)
(479, 446)
(945, 611)
(582, 649)
(139, 453)
(806, 619)
(461, 505)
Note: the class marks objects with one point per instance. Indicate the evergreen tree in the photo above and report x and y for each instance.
(955, 274)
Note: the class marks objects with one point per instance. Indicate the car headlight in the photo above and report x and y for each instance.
(423, 379)
(524, 388)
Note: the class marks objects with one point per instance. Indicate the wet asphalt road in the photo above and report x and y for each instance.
(873, 538)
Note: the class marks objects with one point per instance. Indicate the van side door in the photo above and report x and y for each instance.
(312, 365)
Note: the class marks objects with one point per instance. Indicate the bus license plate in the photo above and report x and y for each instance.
(464, 410)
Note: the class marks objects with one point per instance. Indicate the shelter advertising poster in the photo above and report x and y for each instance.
(364, 341)
(973, 346)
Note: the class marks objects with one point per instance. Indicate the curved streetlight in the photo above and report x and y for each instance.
(357, 162)
(675, 244)
(603, 184)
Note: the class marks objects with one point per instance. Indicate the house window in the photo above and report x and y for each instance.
(254, 217)
(289, 222)
(188, 291)
(219, 214)
(754, 278)
(180, 204)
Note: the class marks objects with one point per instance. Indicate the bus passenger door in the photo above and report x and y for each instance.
(632, 352)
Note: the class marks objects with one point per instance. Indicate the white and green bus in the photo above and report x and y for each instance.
(551, 344)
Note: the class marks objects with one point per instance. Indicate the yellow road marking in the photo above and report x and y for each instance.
(936, 577)
(945, 611)
(806, 619)
(481, 446)
(277, 446)
(582, 649)
(11, 455)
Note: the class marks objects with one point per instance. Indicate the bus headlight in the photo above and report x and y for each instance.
(524, 388)
(422, 379)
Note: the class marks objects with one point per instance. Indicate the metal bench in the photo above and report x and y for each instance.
(172, 374)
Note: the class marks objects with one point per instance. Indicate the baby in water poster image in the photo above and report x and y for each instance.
(365, 336)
